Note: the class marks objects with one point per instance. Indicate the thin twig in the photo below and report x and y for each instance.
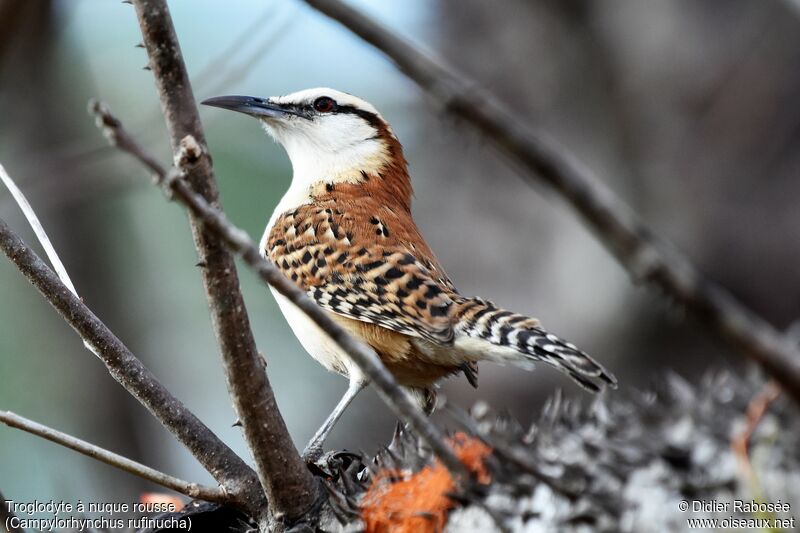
(640, 251)
(216, 67)
(222, 70)
(7, 517)
(227, 67)
(41, 234)
(190, 489)
(756, 409)
(290, 488)
(38, 229)
(237, 72)
(238, 241)
(193, 490)
(220, 461)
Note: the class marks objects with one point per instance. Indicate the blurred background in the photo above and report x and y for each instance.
(686, 108)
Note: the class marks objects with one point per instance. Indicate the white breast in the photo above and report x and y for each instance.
(311, 337)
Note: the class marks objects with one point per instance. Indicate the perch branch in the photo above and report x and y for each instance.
(238, 241)
(640, 251)
(193, 490)
(290, 488)
(224, 465)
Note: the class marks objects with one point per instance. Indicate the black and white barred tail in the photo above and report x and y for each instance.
(489, 332)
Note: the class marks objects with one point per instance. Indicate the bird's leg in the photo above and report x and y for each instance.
(313, 450)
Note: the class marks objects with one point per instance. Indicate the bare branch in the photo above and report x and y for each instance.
(224, 465)
(641, 252)
(193, 490)
(7, 517)
(38, 229)
(41, 234)
(238, 241)
(290, 488)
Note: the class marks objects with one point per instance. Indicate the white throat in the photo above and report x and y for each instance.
(326, 157)
(313, 165)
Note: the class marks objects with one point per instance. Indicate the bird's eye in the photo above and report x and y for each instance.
(323, 104)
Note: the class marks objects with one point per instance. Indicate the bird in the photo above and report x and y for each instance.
(345, 234)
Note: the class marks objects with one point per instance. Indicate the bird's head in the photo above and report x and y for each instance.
(331, 137)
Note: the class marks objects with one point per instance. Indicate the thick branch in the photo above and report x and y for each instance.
(238, 241)
(226, 467)
(193, 490)
(289, 486)
(645, 256)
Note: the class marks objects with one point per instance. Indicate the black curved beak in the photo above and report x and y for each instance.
(250, 105)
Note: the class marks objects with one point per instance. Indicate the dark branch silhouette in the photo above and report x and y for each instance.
(290, 488)
(220, 461)
(193, 490)
(646, 257)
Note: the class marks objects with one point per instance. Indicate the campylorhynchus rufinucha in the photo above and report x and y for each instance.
(345, 234)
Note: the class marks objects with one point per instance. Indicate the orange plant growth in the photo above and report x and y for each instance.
(401, 502)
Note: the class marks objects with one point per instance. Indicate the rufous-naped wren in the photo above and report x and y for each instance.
(344, 233)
